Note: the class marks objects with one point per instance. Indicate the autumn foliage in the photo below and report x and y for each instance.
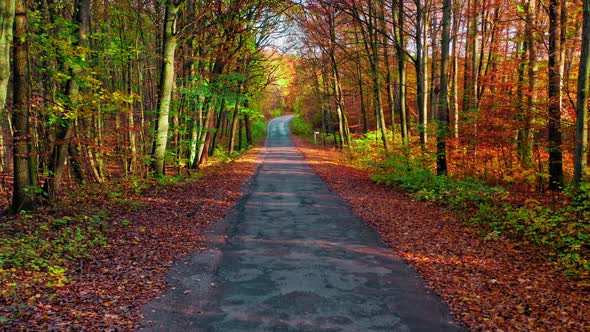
(490, 283)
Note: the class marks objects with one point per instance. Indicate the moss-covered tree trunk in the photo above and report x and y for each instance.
(6, 26)
(22, 198)
(165, 87)
(581, 151)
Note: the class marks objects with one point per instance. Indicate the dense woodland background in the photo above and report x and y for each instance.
(480, 106)
(490, 85)
(98, 89)
(103, 89)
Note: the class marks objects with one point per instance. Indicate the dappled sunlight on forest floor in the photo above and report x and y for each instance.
(489, 284)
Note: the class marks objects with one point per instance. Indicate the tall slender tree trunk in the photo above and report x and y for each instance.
(401, 69)
(247, 126)
(6, 29)
(22, 195)
(455, 69)
(204, 148)
(389, 84)
(521, 146)
(554, 94)
(359, 79)
(421, 73)
(581, 145)
(470, 83)
(343, 129)
(360, 82)
(235, 121)
(373, 33)
(529, 52)
(240, 135)
(218, 129)
(443, 110)
(434, 70)
(165, 87)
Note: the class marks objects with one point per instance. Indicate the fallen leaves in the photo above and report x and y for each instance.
(108, 289)
(489, 285)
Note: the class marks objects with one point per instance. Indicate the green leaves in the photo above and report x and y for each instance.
(564, 230)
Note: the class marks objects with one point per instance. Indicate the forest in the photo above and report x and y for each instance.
(98, 90)
(490, 87)
(478, 106)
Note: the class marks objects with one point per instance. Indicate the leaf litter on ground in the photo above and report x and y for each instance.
(106, 291)
(490, 285)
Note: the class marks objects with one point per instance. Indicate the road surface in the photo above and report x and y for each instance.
(291, 256)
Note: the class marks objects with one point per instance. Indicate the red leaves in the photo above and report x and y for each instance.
(489, 285)
(109, 289)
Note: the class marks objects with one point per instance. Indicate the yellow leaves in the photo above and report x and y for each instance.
(520, 175)
(56, 276)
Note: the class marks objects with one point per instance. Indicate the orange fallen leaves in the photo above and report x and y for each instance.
(492, 285)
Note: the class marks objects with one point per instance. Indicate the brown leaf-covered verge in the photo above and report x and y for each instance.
(489, 285)
(107, 291)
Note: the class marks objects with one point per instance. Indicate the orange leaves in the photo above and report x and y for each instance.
(490, 285)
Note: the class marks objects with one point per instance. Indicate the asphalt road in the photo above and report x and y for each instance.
(292, 256)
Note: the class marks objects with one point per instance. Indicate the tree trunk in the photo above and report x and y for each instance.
(204, 148)
(388, 75)
(22, 195)
(235, 122)
(554, 95)
(421, 77)
(343, 129)
(434, 70)
(217, 130)
(360, 83)
(373, 52)
(443, 110)
(75, 158)
(6, 27)
(401, 70)
(359, 79)
(581, 150)
(455, 85)
(247, 125)
(470, 83)
(525, 135)
(240, 135)
(165, 87)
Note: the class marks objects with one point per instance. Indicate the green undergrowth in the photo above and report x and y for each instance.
(563, 230)
(40, 250)
(48, 245)
(301, 128)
